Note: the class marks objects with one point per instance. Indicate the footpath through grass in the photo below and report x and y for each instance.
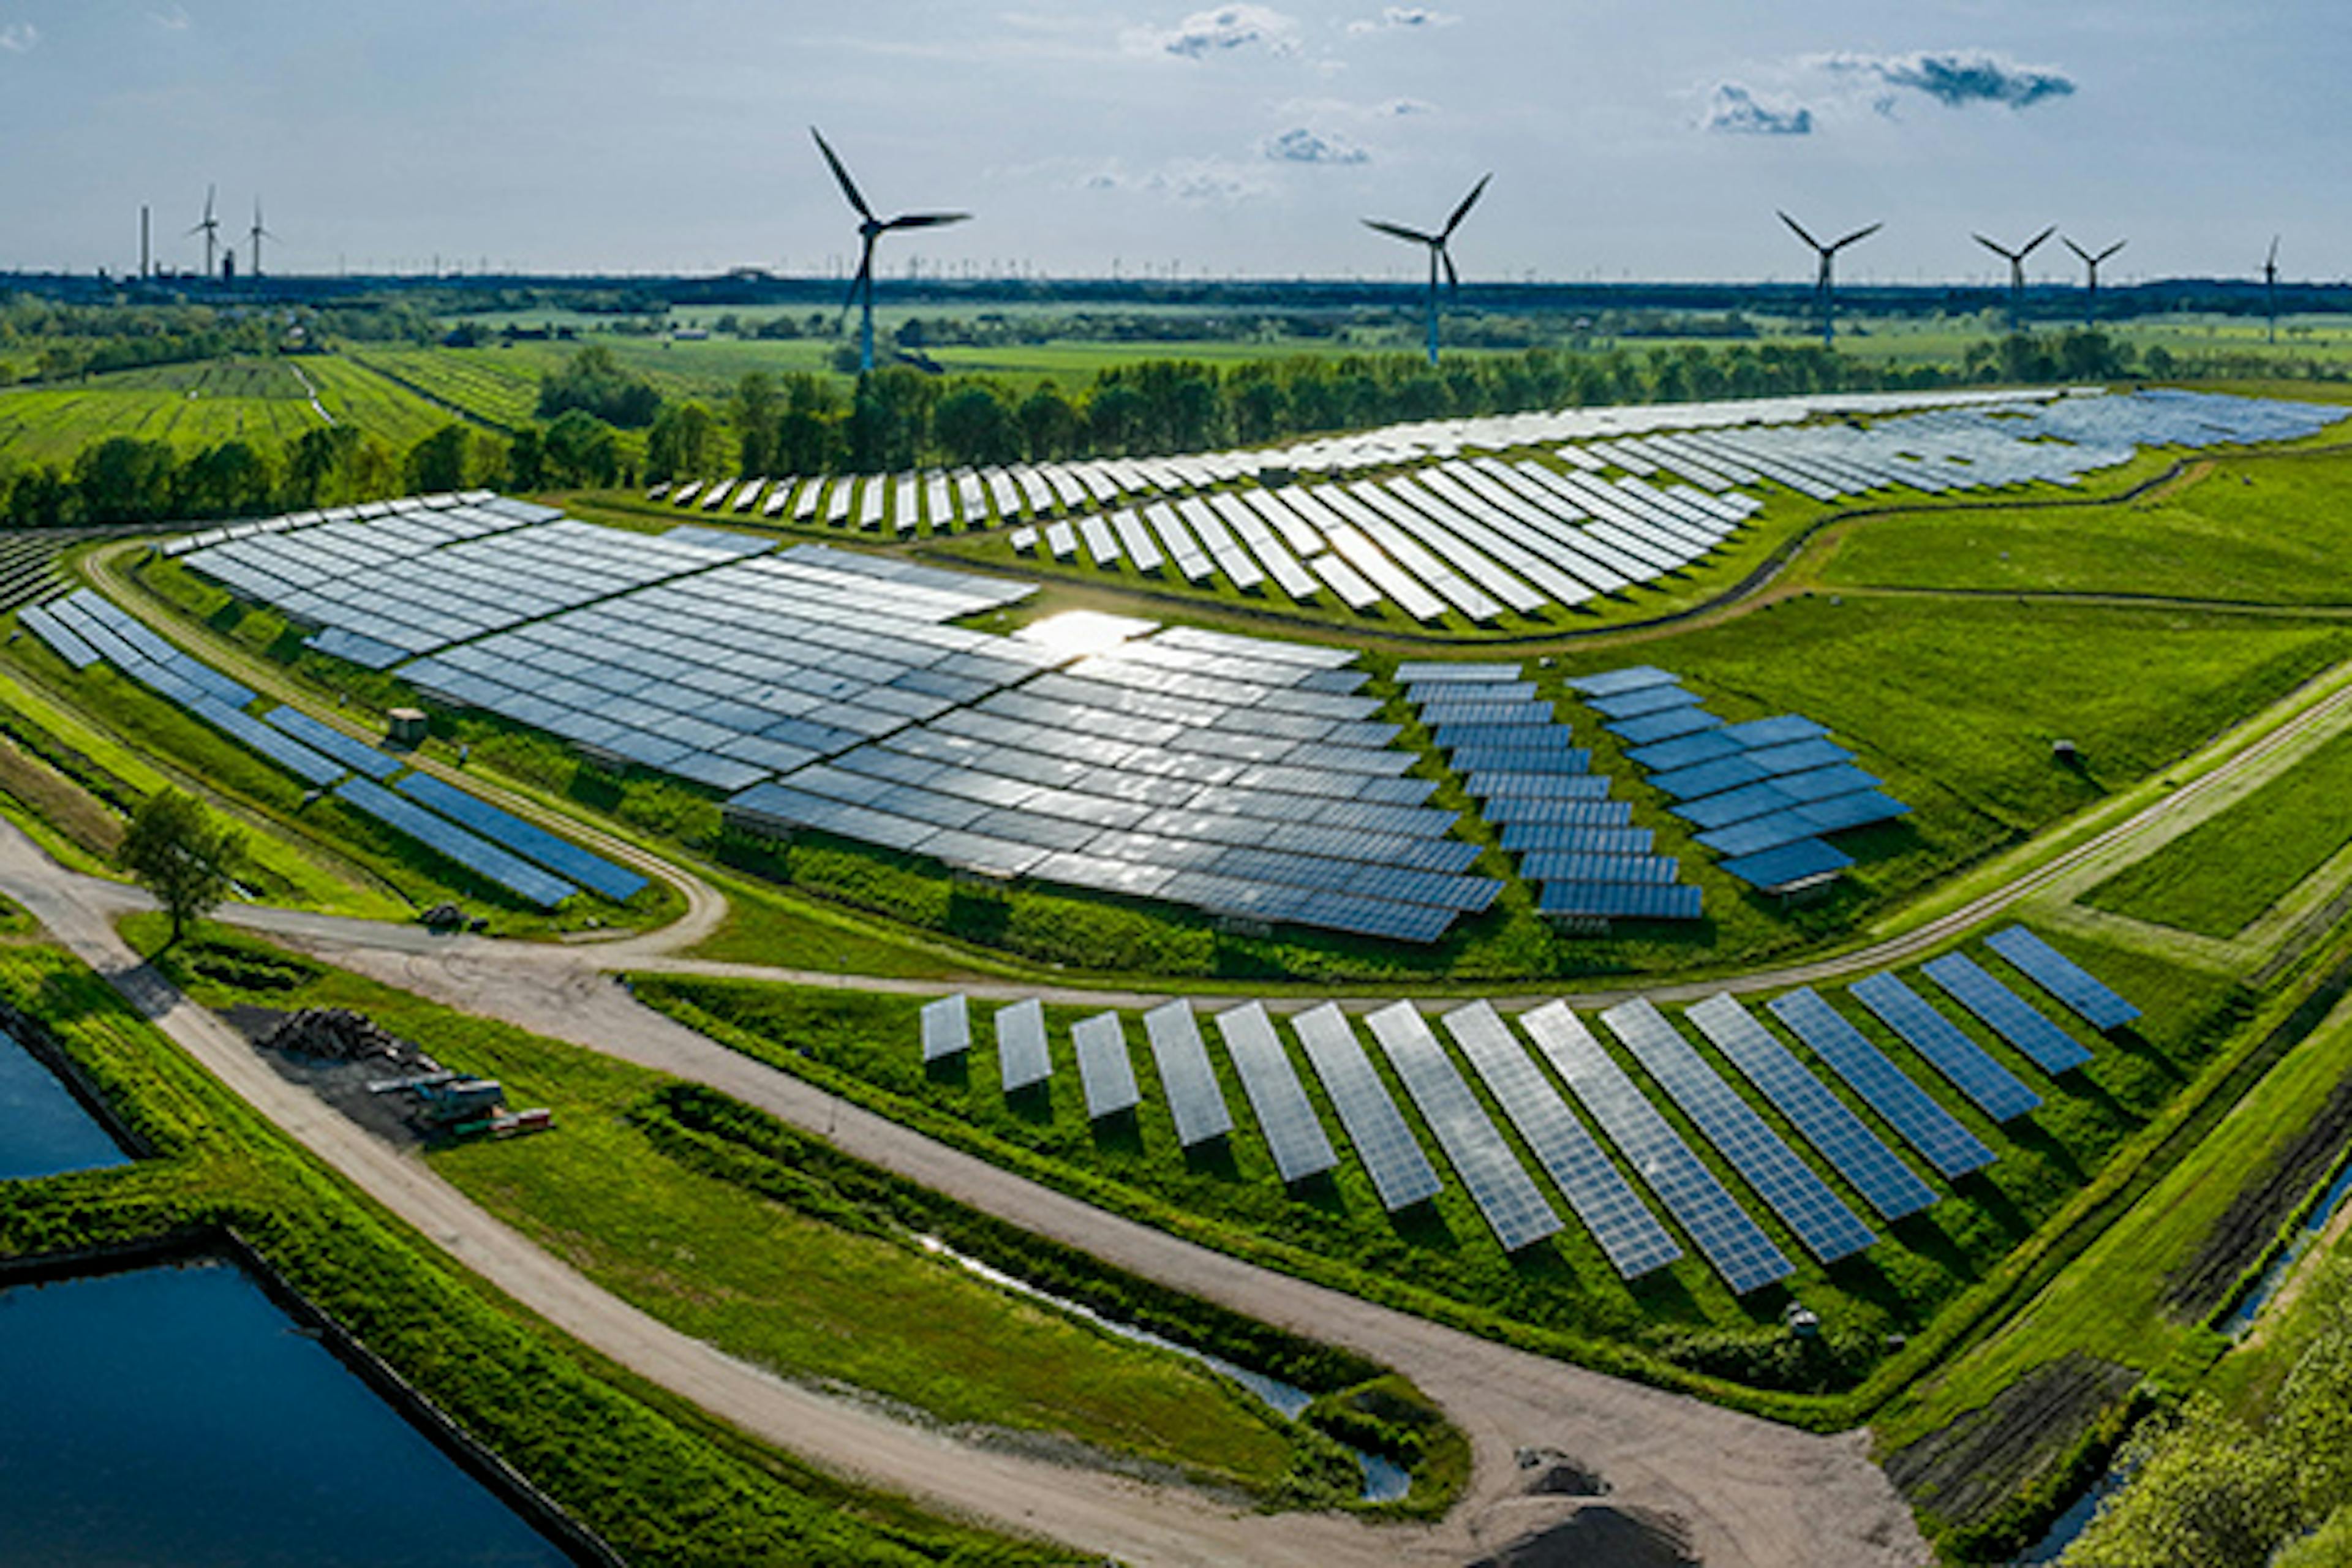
(2225, 872)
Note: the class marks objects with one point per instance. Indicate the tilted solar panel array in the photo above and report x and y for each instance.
(1761, 795)
(2090, 999)
(1105, 1070)
(1186, 1075)
(1911, 1110)
(947, 1028)
(1535, 783)
(1024, 1058)
(1401, 1172)
(1285, 1115)
(1489, 1171)
(2006, 1013)
(1993, 1087)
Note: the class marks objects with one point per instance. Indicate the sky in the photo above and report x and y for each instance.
(1628, 138)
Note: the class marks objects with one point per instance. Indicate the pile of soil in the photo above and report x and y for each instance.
(335, 1053)
(1547, 1472)
(1599, 1536)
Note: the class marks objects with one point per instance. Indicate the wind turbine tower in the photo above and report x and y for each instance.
(2269, 288)
(256, 235)
(870, 229)
(1438, 252)
(210, 229)
(2017, 271)
(2091, 260)
(1823, 295)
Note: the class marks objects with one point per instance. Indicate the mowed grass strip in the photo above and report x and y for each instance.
(2223, 873)
(814, 1301)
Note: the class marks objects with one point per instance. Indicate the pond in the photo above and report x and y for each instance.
(176, 1414)
(44, 1129)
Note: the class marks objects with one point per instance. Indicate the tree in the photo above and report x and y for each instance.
(682, 443)
(176, 850)
(596, 382)
(527, 458)
(230, 479)
(125, 480)
(582, 449)
(974, 424)
(755, 408)
(442, 460)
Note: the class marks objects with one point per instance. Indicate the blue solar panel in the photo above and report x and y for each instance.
(1609, 682)
(1621, 901)
(1840, 812)
(1911, 1110)
(1800, 756)
(2005, 1013)
(1685, 750)
(2061, 976)
(1559, 866)
(1995, 1090)
(1537, 787)
(1609, 838)
(526, 839)
(1758, 834)
(1663, 726)
(1707, 778)
(1285, 1115)
(1648, 700)
(1758, 734)
(1498, 760)
(1790, 863)
(356, 755)
(284, 750)
(477, 854)
(1512, 810)
(1884, 1182)
(1734, 1243)
(1629, 1235)
(1491, 1173)
(1804, 1202)
(1733, 805)
(1401, 1172)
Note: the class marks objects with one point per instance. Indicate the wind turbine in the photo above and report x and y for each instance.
(2017, 271)
(256, 235)
(2090, 260)
(1438, 253)
(210, 229)
(870, 229)
(2269, 288)
(1822, 281)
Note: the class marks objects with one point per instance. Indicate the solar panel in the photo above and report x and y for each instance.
(1609, 683)
(1401, 1172)
(1493, 1175)
(1105, 1070)
(2005, 1013)
(1993, 1087)
(1803, 1201)
(2061, 976)
(1622, 901)
(1194, 1099)
(1646, 699)
(1788, 864)
(526, 839)
(1023, 1057)
(1911, 1110)
(282, 748)
(1629, 1235)
(1737, 1247)
(1284, 1113)
(947, 1028)
(477, 854)
(1885, 1183)
(1666, 724)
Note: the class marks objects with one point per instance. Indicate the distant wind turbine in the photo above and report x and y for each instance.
(1823, 280)
(870, 229)
(2269, 288)
(1438, 253)
(210, 229)
(256, 233)
(2017, 271)
(2091, 260)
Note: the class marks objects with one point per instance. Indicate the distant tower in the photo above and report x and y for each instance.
(146, 243)
(229, 264)
(255, 236)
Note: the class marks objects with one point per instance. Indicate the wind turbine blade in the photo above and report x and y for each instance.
(2068, 241)
(1400, 232)
(2035, 241)
(1995, 247)
(2111, 250)
(1464, 210)
(1453, 277)
(1857, 233)
(849, 186)
(2274, 256)
(924, 220)
(1799, 229)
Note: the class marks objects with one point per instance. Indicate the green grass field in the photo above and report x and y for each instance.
(2226, 871)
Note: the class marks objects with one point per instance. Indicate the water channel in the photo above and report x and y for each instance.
(44, 1129)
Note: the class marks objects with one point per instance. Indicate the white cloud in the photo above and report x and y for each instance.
(1404, 19)
(1226, 30)
(1202, 181)
(19, 38)
(173, 20)
(1732, 109)
(1300, 145)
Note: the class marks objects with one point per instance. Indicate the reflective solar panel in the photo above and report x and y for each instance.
(1104, 1068)
(1628, 1234)
(1911, 1110)
(1734, 1243)
(2061, 976)
(1993, 1087)
(1623, 900)
(1190, 1082)
(2005, 1013)
(1664, 725)
(1023, 1060)
(1803, 1201)
(1884, 1182)
(526, 839)
(477, 854)
(1787, 864)
(1609, 683)
(1401, 1172)
(1490, 1172)
(1285, 1115)
(947, 1028)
